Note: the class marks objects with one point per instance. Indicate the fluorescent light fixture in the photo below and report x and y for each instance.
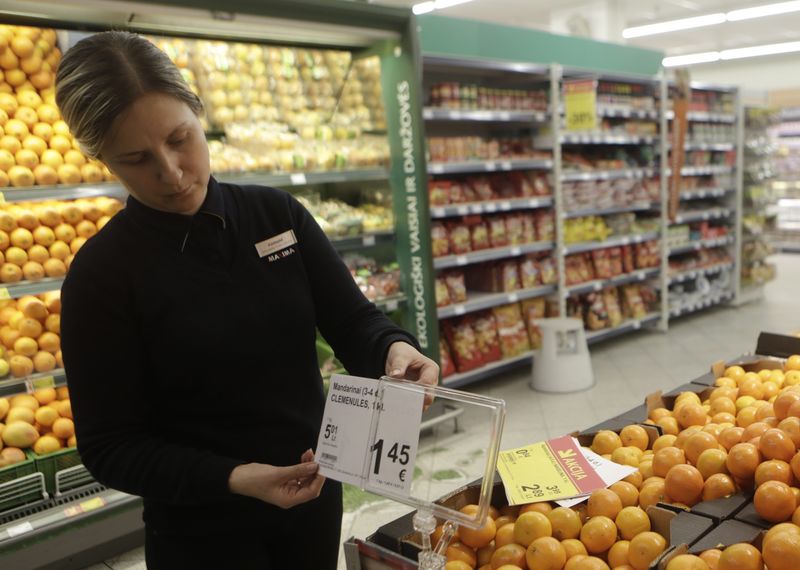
(442, 4)
(674, 25)
(690, 59)
(762, 11)
(430, 6)
(756, 51)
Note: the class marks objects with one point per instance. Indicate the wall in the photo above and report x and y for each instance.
(755, 75)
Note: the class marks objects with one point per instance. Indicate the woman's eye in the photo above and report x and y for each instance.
(178, 142)
(138, 159)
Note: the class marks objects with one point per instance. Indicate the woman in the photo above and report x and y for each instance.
(189, 328)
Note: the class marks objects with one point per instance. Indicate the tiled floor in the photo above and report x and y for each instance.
(626, 369)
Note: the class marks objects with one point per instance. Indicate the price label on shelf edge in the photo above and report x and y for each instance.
(298, 179)
(344, 447)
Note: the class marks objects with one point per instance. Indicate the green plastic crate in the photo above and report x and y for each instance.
(18, 469)
(51, 463)
(14, 491)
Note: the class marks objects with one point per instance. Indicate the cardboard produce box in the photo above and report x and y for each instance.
(749, 515)
(585, 437)
(721, 509)
(727, 533)
(680, 528)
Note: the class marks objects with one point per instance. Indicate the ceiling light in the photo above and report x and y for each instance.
(430, 6)
(690, 59)
(442, 4)
(756, 51)
(762, 11)
(674, 25)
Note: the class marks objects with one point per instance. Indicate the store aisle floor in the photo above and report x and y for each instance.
(626, 370)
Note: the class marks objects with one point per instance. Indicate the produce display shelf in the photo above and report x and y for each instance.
(706, 117)
(64, 192)
(13, 386)
(488, 371)
(488, 166)
(491, 206)
(707, 170)
(702, 193)
(480, 301)
(695, 273)
(611, 242)
(16, 290)
(702, 215)
(700, 244)
(304, 178)
(628, 326)
(434, 114)
(704, 304)
(635, 173)
(718, 146)
(390, 304)
(490, 254)
(640, 207)
(607, 138)
(625, 112)
(362, 241)
(598, 284)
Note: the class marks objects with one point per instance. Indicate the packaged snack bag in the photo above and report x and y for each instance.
(611, 301)
(602, 264)
(615, 258)
(511, 330)
(448, 368)
(482, 188)
(529, 273)
(627, 259)
(596, 313)
(440, 241)
(485, 327)
(463, 344)
(439, 192)
(515, 230)
(545, 225)
(460, 240)
(532, 310)
(510, 276)
(480, 236)
(442, 293)
(456, 287)
(547, 269)
(528, 228)
(497, 232)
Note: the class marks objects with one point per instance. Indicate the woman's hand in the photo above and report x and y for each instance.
(404, 361)
(284, 487)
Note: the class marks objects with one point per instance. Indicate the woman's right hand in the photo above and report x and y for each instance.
(283, 487)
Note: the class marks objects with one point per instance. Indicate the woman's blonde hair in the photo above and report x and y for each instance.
(103, 74)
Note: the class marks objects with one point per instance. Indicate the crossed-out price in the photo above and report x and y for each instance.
(397, 453)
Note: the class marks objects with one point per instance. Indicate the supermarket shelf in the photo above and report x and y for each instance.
(627, 112)
(604, 138)
(694, 307)
(702, 193)
(489, 207)
(641, 207)
(390, 304)
(710, 169)
(480, 301)
(705, 117)
(434, 114)
(16, 290)
(64, 192)
(362, 241)
(490, 254)
(488, 166)
(488, 371)
(635, 173)
(787, 247)
(598, 284)
(305, 178)
(695, 273)
(721, 147)
(701, 215)
(612, 242)
(700, 244)
(628, 326)
(12, 386)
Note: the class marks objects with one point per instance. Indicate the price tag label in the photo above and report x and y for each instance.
(344, 450)
(2, 198)
(4, 294)
(598, 286)
(505, 116)
(427, 114)
(505, 205)
(490, 166)
(298, 179)
(43, 382)
(461, 260)
(459, 310)
(516, 251)
(456, 115)
(547, 471)
(490, 207)
(462, 210)
(513, 298)
(85, 507)
(392, 305)
(706, 216)
(637, 325)
(437, 168)
(368, 241)
(19, 529)
(476, 208)
(438, 212)
(505, 165)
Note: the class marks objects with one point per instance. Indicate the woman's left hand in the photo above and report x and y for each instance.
(404, 361)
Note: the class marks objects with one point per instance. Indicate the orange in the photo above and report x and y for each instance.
(484, 555)
(460, 552)
(668, 425)
(543, 508)
(505, 535)
(651, 494)
(782, 552)
(659, 413)
(697, 444)
(687, 562)
(691, 415)
(636, 478)
(711, 558)
(502, 520)
(774, 501)
(636, 436)
(776, 444)
(645, 548)
(751, 387)
(711, 461)
(627, 456)
(684, 484)
(730, 437)
(457, 565)
(618, 554)
(665, 440)
(685, 434)
(722, 405)
(783, 402)
(509, 554)
(590, 563)
(546, 553)
(632, 521)
(743, 459)
(627, 492)
(604, 502)
(565, 523)
(573, 547)
(666, 458)
(756, 429)
(530, 526)
(773, 470)
(718, 486)
(598, 534)
(740, 556)
(63, 428)
(779, 529)
(478, 538)
(725, 381)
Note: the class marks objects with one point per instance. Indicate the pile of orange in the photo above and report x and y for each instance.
(36, 146)
(39, 239)
(30, 333)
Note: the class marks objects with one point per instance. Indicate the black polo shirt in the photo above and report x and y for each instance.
(189, 346)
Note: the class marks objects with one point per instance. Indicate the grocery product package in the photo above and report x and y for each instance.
(511, 329)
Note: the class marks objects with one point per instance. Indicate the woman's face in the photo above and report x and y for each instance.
(158, 150)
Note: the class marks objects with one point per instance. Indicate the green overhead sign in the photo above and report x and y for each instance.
(443, 36)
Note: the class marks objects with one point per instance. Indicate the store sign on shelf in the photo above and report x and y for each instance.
(580, 104)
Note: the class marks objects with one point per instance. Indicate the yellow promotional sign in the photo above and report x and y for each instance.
(580, 104)
(547, 471)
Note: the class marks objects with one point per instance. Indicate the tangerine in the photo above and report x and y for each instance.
(740, 556)
(605, 441)
(618, 554)
(663, 441)
(687, 562)
(776, 444)
(697, 444)
(711, 557)
(731, 436)
(509, 554)
(632, 521)
(546, 553)
(718, 486)
(635, 436)
(604, 502)
(651, 494)
(461, 552)
(505, 535)
(712, 461)
(565, 523)
(684, 483)
(666, 458)
(627, 492)
(573, 547)
(645, 548)
(530, 526)
(773, 470)
(480, 537)
(774, 501)
(782, 552)
(598, 534)
(743, 460)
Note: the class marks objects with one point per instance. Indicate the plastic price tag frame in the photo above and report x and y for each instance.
(487, 414)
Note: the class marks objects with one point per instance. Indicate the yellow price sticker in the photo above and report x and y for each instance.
(43, 382)
(2, 198)
(4, 294)
(547, 471)
(85, 507)
(580, 105)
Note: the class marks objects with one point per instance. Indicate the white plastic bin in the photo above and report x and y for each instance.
(563, 364)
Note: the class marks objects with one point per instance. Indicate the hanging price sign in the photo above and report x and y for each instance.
(370, 434)
(580, 104)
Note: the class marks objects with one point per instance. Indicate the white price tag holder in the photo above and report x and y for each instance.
(371, 437)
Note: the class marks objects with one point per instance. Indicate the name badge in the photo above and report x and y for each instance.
(276, 243)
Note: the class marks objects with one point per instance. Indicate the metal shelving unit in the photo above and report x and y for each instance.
(700, 244)
(434, 114)
(632, 173)
(611, 242)
(488, 371)
(695, 273)
(598, 284)
(491, 207)
(474, 167)
(630, 325)
(481, 301)
(643, 207)
(490, 254)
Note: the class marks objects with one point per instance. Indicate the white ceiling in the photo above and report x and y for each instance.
(605, 19)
